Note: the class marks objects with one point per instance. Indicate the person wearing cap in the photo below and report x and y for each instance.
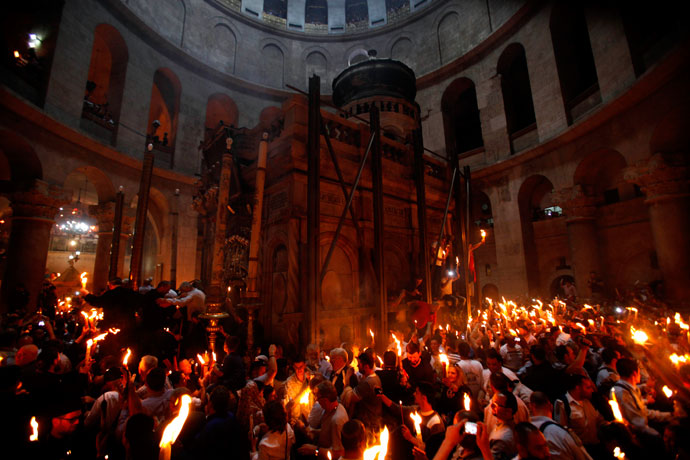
(56, 437)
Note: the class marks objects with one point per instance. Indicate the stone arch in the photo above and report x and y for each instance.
(461, 122)
(517, 97)
(397, 267)
(534, 194)
(272, 65)
(220, 108)
(18, 159)
(577, 71)
(601, 175)
(555, 284)
(481, 218)
(165, 105)
(316, 62)
(448, 36)
(340, 286)
(223, 47)
(400, 49)
(103, 186)
(106, 79)
(156, 237)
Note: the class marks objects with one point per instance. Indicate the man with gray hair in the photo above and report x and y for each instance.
(339, 361)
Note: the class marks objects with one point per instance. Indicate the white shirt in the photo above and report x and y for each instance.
(195, 300)
(474, 374)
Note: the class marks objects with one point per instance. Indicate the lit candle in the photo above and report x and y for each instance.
(667, 391)
(125, 360)
(173, 429)
(34, 427)
(466, 402)
(417, 419)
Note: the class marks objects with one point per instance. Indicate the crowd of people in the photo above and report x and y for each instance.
(105, 376)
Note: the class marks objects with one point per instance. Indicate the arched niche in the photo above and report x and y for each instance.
(461, 123)
(272, 65)
(533, 197)
(156, 236)
(21, 164)
(106, 79)
(223, 47)
(448, 36)
(165, 107)
(220, 108)
(517, 97)
(577, 72)
(601, 175)
(316, 63)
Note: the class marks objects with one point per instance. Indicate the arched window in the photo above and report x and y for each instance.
(651, 32)
(316, 12)
(164, 107)
(356, 12)
(462, 126)
(574, 59)
(105, 83)
(517, 98)
(277, 8)
(220, 108)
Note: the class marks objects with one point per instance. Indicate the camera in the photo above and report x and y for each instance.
(471, 428)
(41, 323)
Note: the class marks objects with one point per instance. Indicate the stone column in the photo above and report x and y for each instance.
(128, 216)
(664, 181)
(33, 214)
(580, 210)
(105, 215)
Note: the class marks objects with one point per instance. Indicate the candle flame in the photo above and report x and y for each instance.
(380, 450)
(667, 391)
(83, 279)
(483, 233)
(620, 455)
(34, 428)
(125, 360)
(677, 359)
(328, 454)
(614, 407)
(444, 359)
(201, 359)
(466, 401)
(417, 419)
(214, 356)
(305, 397)
(371, 333)
(175, 426)
(640, 337)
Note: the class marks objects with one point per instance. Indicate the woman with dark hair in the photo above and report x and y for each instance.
(279, 439)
